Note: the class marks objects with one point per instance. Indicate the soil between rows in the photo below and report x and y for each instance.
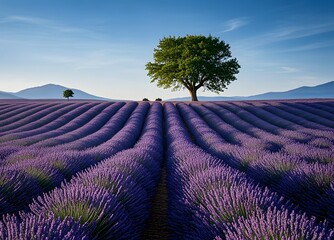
(156, 226)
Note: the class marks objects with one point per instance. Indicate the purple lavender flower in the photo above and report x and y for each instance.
(41, 227)
(277, 224)
(129, 194)
(16, 190)
(87, 204)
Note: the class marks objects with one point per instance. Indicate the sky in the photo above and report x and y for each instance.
(102, 46)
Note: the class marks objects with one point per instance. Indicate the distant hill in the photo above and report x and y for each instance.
(48, 91)
(325, 90)
(5, 95)
(53, 91)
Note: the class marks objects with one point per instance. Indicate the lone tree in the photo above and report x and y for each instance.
(193, 62)
(68, 93)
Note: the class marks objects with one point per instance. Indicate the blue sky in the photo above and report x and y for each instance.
(102, 46)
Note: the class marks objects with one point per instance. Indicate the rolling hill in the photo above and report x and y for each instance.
(325, 90)
(53, 91)
(6, 95)
(48, 91)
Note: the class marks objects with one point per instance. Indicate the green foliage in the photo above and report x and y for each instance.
(44, 180)
(68, 93)
(145, 99)
(158, 99)
(193, 62)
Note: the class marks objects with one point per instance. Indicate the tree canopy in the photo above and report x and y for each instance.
(68, 93)
(192, 62)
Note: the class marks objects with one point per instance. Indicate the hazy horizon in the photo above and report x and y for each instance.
(102, 47)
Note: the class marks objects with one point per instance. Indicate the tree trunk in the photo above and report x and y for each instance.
(193, 94)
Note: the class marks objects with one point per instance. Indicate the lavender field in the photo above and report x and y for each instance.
(233, 170)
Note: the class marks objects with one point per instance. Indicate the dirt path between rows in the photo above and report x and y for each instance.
(157, 227)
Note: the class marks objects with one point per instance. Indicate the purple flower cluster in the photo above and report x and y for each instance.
(88, 204)
(37, 171)
(266, 131)
(67, 114)
(27, 122)
(110, 200)
(17, 113)
(84, 126)
(210, 200)
(25, 176)
(277, 224)
(311, 115)
(270, 111)
(41, 227)
(301, 172)
(235, 170)
(105, 132)
(130, 129)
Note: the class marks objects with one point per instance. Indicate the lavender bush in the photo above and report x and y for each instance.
(235, 170)
(210, 200)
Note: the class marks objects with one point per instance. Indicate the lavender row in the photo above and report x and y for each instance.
(10, 109)
(303, 141)
(232, 135)
(324, 133)
(296, 150)
(110, 200)
(209, 200)
(109, 129)
(40, 172)
(269, 111)
(92, 126)
(325, 106)
(29, 117)
(126, 137)
(316, 150)
(288, 124)
(107, 123)
(314, 109)
(23, 137)
(41, 227)
(307, 184)
(4, 106)
(254, 127)
(82, 127)
(290, 115)
(45, 133)
(38, 119)
(312, 115)
(257, 127)
(17, 111)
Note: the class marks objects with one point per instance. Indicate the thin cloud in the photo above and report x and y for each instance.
(301, 31)
(86, 61)
(311, 46)
(23, 19)
(288, 70)
(234, 24)
(41, 22)
(289, 32)
(93, 59)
